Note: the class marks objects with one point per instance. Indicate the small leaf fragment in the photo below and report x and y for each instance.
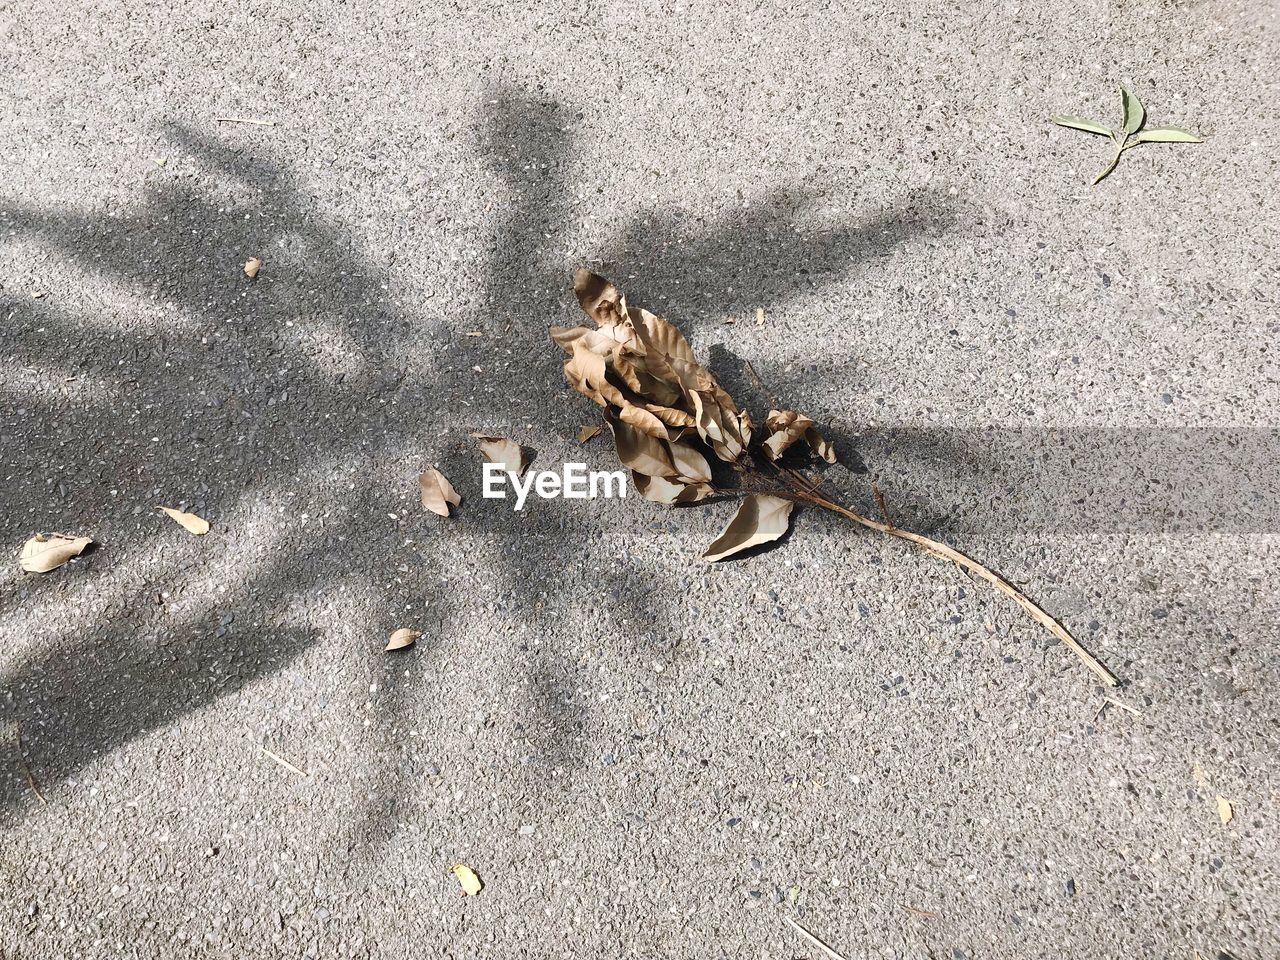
(251, 267)
(500, 450)
(760, 519)
(1167, 135)
(194, 525)
(1134, 113)
(1225, 809)
(1080, 123)
(437, 492)
(467, 878)
(586, 432)
(404, 637)
(42, 553)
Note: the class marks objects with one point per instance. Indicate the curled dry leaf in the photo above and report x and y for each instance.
(194, 525)
(467, 879)
(404, 637)
(500, 450)
(437, 492)
(251, 267)
(586, 432)
(760, 519)
(43, 553)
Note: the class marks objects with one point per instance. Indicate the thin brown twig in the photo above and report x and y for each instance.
(967, 563)
(22, 761)
(884, 509)
(922, 914)
(760, 383)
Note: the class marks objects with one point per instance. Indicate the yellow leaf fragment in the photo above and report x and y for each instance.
(251, 267)
(437, 492)
(196, 526)
(759, 316)
(404, 637)
(42, 553)
(1225, 809)
(586, 432)
(502, 451)
(470, 882)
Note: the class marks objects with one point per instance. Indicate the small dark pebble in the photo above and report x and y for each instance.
(733, 821)
(1159, 613)
(1071, 888)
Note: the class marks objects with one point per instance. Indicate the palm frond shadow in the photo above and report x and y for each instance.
(244, 407)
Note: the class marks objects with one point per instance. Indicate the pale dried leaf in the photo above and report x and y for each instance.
(586, 432)
(500, 450)
(1226, 810)
(468, 879)
(785, 428)
(404, 637)
(760, 519)
(597, 296)
(670, 416)
(661, 336)
(689, 463)
(657, 489)
(437, 492)
(641, 452)
(820, 445)
(42, 553)
(644, 421)
(251, 267)
(197, 526)
(666, 490)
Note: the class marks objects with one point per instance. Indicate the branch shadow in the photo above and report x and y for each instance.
(258, 377)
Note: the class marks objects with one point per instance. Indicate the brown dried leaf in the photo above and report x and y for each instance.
(820, 445)
(644, 421)
(760, 519)
(196, 526)
(404, 637)
(689, 463)
(597, 296)
(251, 267)
(785, 428)
(437, 492)
(586, 432)
(641, 452)
(503, 451)
(42, 553)
(666, 490)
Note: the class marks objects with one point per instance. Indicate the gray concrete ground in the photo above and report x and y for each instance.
(642, 755)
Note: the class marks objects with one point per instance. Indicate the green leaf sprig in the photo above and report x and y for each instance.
(1130, 133)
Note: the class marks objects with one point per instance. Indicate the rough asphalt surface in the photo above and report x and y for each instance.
(641, 755)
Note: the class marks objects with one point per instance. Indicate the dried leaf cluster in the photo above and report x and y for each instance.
(667, 412)
(671, 420)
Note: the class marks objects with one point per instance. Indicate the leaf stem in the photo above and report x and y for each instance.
(939, 549)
